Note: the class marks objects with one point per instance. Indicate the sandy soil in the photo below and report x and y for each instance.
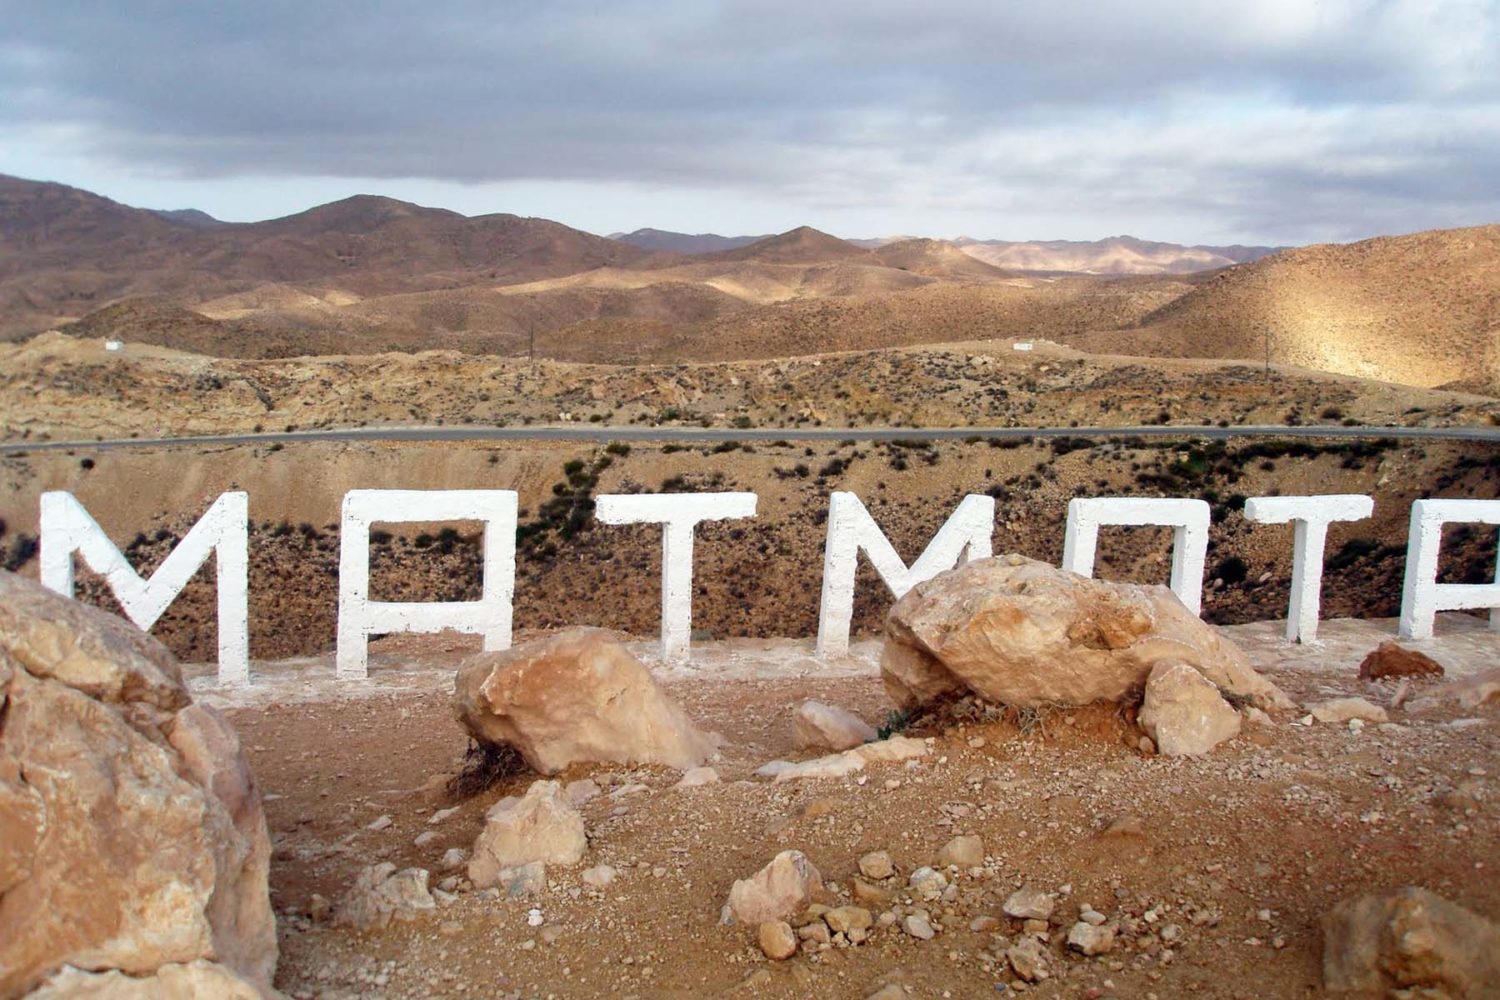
(1241, 851)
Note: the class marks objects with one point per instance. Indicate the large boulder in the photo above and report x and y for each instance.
(1021, 632)
(577, 696)
(131, 832)
(1409, 939)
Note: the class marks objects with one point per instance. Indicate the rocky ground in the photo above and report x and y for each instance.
(1213, 872)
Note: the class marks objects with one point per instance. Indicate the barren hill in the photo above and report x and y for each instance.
(65, 252)
(935, 258)
(1422, 309)
(670, 242)
(803, 245)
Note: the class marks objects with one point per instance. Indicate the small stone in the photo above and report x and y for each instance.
(918, 926)
(965, 852)
(983, 924)
(782, 888)
(927, 883)
(441, 815)
(828, 727)
(876, 865)
(1027, 903)
(598, 876)
(1336, 711)
(777, 940)
(1091, 940)
(1392, 660)
(424, 838)
(697, 777)
(453, 857)
(843, 919)
(1028, 959)
(816, 932)
(379, 823)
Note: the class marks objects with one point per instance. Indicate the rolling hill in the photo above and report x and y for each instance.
(1422, 309)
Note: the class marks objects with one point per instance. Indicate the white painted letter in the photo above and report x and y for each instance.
(1423, 597)
(1189, 518)
(1310, 517)
(224, 530)
(678, 513)
(965, 535)
(360, 617)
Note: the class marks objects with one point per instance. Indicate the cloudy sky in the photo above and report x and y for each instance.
(1265, 121)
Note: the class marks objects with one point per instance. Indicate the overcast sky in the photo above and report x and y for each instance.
(1258, 121)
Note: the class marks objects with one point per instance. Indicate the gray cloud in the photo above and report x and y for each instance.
(1282, 118)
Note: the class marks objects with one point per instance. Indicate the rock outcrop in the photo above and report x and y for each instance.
(828, 727)
(1410, 939)
(132, 840)
(578, 696)
(1024, 633)
(540, 826)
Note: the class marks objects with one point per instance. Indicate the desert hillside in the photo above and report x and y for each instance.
(65, 252)
(1422, 309)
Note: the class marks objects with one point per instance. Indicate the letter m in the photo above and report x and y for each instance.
(66, 528)
(967, 534)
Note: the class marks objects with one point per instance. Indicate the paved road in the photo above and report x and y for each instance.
(595, 432)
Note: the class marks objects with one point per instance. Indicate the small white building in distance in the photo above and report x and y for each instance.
(1022, 345)
(114, 345)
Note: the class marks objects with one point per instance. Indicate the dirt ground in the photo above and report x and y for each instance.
(1218, 889)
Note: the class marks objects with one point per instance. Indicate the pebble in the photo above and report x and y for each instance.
(876, 865)
(379, 823)
(918, 926)
(777, 940)
(1027, 903)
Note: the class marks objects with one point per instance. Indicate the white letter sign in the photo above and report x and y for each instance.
(678, 513)
(360, 617)
(1188, 518)
(1310, 517)
(1422, 597)
(223, 530)
(967, 534)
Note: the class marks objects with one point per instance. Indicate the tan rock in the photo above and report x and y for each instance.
(136, 839)
(876, 865)
(1410, 939)
(965, 852)
(539, 826)
(779, 891)
(1025, 633)
(777, 940)
(840, 765)
(1389, 659)
(381, 894)
(573, 697)
(1184, 713)
(196, 980)
(1027, 903)
(843, 919)
(1339, 710)
(817, 725)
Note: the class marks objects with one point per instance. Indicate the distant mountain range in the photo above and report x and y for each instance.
(368, 274)
(1112, 255)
